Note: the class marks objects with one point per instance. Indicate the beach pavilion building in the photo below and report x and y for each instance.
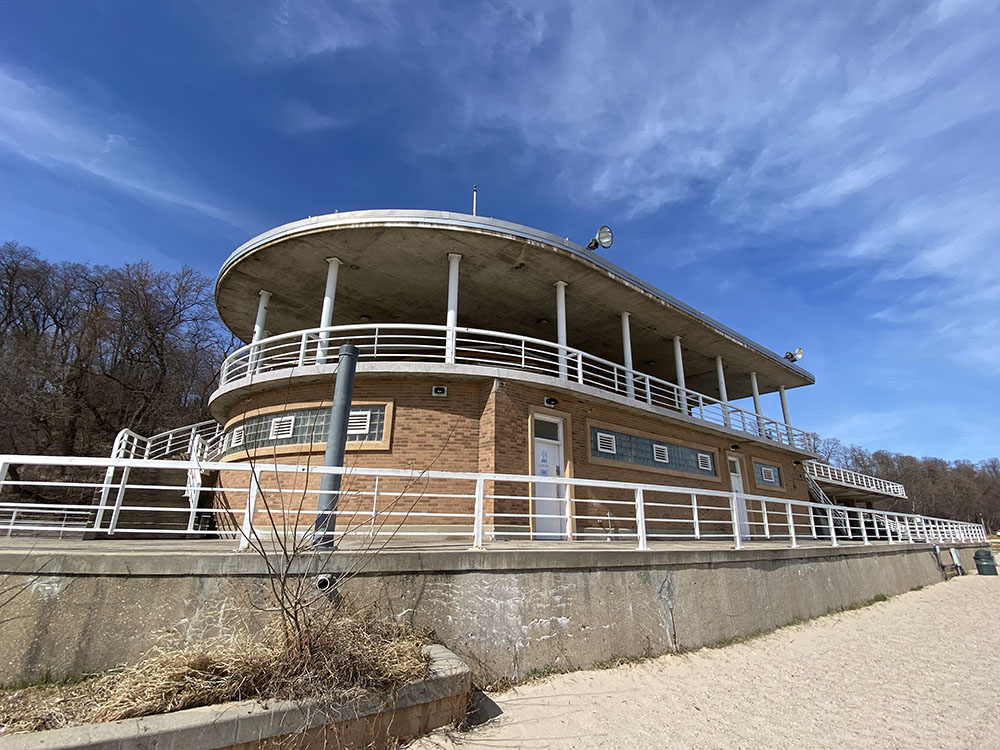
(490, 347)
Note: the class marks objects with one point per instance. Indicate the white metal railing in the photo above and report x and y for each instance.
(473, 346)
(275, 501)
(849, 478)
(187, 439)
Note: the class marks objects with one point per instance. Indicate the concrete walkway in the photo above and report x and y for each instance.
(918, 671)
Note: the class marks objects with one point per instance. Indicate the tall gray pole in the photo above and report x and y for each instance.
(336, 442)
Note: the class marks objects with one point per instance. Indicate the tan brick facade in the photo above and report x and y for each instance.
(483, 425)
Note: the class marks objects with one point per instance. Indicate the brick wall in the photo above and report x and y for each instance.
(483, 426)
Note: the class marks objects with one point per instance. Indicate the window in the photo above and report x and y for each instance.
(768, 474)
(705, 461)
(661, 453)
(606, 443)
(236, 437)
(281, 428)
(359, 422)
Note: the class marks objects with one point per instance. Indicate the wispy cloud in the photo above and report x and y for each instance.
(52, 128)
(298, 118)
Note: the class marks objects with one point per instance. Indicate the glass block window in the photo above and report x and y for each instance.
(767, 474)
(642, 451)
(366, 423)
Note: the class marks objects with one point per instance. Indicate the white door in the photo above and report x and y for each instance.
(550, 499)
(736, 476)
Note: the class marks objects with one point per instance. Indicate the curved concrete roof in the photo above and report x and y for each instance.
(395, 270)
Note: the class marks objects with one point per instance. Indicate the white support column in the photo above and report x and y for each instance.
(784, 414)
(258, 326)
(561, 325)
(679, 368)
(452, 321)
(627, 355)
(723, 396)
(755, 389)
(258, 330)
(326, 316)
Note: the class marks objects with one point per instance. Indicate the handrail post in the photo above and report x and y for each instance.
(568, 505)
(4, 467)
(579, 368)
(812, 521)
(694, 515)
(102, 501)
(767, 526)
(477, 528)
(791, 525)
(246, 531)
(119, 498)
(640, 519)
(303, 346)
(833, 532)
(909, 531)
(888, 529)
(864, 531)
(734, 521)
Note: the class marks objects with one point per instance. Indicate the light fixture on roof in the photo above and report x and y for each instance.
(604, 238)
(794, 356)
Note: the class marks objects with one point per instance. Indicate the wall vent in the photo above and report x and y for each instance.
(705, 461)
(281, 427)
(236, 438)
(359, 422)
(661, 453)
(606, 443)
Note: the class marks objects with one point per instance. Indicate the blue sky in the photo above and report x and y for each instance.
(822, 175)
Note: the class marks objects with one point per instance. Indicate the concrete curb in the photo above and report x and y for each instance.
(107, 562)
(248, 721)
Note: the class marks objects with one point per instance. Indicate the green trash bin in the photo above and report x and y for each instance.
(985, 564)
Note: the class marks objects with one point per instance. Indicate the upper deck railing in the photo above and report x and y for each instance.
(849, 478)
(473, 346)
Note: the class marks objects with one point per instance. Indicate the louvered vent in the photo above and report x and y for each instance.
(661, 454)
(705, 461)
(281, 427)
(359, 422)
(606, 443)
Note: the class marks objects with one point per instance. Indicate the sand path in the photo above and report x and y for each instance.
(917, 671)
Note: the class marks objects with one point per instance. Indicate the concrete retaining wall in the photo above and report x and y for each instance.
(506, 613)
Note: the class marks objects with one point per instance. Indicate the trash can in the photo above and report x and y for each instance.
(985, 564)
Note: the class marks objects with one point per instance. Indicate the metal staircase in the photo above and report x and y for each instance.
(821, 520)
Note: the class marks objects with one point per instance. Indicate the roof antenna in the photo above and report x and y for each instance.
(474, 200)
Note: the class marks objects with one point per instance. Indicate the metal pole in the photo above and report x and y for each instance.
(336, 442)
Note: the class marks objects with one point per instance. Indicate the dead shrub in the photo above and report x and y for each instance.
(340, 655)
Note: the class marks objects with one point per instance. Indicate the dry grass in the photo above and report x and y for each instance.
(336, 656)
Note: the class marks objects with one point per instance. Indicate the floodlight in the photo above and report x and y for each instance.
(604, 238)
(794, 356)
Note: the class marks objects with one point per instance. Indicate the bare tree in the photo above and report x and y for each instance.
(86, 350)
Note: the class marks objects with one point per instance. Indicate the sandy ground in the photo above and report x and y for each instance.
(917, 671)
